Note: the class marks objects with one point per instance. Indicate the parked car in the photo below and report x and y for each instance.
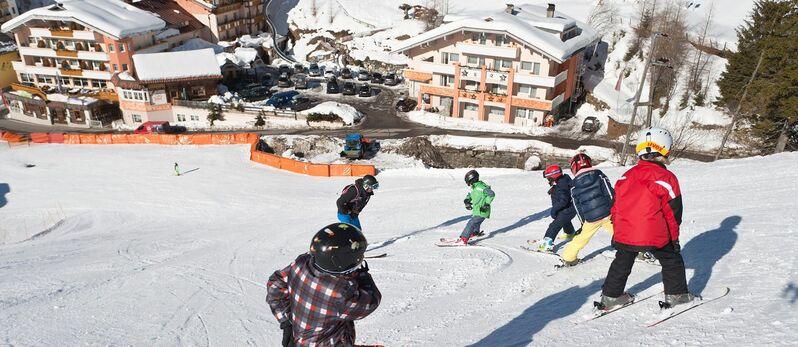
(284, 69)
(357, 147)
(346, 73)
(332, 87)
(349, 88)
(406, 105)
(377, 78)
(282, 99)
(391, 79)
(300, 81)
(363, 75)
(284, 82)
(267, 80)
(591, 124)
(364, 90)
(314, 70)
(329, 74)
(299, 103)
(255, 92)
(299, 68)
(158, 127)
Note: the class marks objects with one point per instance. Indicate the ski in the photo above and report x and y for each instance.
(677, 311)
(611, 255)
(381, 255)
(601, 313)
(445, 242)
(535, 250)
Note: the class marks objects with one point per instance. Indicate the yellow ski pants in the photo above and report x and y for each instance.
(580, 241)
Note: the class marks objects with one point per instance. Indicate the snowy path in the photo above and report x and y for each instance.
(141, 257)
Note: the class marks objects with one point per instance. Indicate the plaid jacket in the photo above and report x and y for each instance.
(321, 307)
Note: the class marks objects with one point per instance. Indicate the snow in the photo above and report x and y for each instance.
(445, 122)
(113, 17)
(348, 113)
(141, 257)
(167, 33)
(198, 43)
(516, 145)
(168, 65)
(528, 25)
(8, 46)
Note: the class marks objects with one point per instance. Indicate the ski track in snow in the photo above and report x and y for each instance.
(141, 257)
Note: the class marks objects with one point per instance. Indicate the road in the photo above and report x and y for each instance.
(382, 122)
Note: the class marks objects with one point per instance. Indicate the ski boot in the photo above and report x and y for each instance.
(462, 241)
(646, 257)
(564, 263)
(608, 303)
(672, 300)
(546, 245)
(479, 233)
(568, 237)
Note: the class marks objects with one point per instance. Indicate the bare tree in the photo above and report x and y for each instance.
(602, 17)
(314, 8)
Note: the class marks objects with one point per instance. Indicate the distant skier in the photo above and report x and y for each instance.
(318, 297)
(177, 170)
(354, 198)
(592, 196)
(478, 202)
(647, 214)
(562, 209)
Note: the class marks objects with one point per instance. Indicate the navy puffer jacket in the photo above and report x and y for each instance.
(592, 194)
(561, 206)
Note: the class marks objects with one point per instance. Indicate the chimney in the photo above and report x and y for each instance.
(510, 9)
(550, 11)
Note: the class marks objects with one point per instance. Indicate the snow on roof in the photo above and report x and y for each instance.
(527, 24)
(6, 47)
(112, 17)
(243, 57)
(198, 43)
(172, 65)
(75, 100)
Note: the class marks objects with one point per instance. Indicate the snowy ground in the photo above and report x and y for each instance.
(141, 257)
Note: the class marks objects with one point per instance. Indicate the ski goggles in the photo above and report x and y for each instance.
(373, 186)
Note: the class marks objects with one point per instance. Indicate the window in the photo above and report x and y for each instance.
(502, 64)
(136, 118)
(447, 80)
(80, 82)
(501, 40)
(536, 69)
(523, 113)
(195, 118)
(498, 89)
(473, 60)
(181, 117)
(124, 67)
(32, 40)
(110, 47)
(526, 65)
(479, 37)
(122, 48)
(495, 110)
(24, 77)
(470, 107)
(471, 85)
(447, 58)
(116, 67)
(527, 90)
(197, 91)
(99, 84)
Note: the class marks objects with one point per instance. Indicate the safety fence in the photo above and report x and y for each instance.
(288, 164)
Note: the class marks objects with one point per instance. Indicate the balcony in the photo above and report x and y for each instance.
(490, 51)
(70, 72)
(75, 34)
(66, 53)
(435, 68)
(539, 81)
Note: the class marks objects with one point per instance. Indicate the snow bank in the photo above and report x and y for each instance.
(348, 113)
(441, 121)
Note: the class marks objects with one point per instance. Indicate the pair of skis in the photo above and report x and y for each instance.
(665, 314)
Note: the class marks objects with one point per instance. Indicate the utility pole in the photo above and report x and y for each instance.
(739, 106)
(637, 98)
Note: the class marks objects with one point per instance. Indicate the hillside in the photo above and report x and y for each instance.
(103, 245)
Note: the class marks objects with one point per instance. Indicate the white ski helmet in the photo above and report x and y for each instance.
(654, 140)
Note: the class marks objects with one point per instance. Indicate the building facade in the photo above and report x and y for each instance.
(8, 10)
(517, 66)
(228, 19)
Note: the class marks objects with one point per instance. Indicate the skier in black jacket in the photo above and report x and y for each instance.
(562, 209)
(354, 198)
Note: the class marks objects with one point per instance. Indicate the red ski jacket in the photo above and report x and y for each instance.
(648, 208)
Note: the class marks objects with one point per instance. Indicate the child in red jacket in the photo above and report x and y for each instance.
(646, 217)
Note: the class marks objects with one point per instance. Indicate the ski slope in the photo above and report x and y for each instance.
(139, 256)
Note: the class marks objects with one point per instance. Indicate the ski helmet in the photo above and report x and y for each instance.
(552, 172)
(653, 141)
(471, 177)
(338, 248)
(579, 162)
(370, 182)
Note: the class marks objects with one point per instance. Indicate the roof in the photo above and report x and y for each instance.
(112, 17)
(170, 12)
(527, 24)
(172, 65)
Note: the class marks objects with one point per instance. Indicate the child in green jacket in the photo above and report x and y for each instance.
(478, 201)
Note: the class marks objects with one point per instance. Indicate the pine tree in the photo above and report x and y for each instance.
(771, 107)
(216, 113)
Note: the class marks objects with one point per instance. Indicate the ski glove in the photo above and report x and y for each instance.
(484, 208)
(288, 333)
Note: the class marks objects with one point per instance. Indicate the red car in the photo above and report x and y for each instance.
(158, 127)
